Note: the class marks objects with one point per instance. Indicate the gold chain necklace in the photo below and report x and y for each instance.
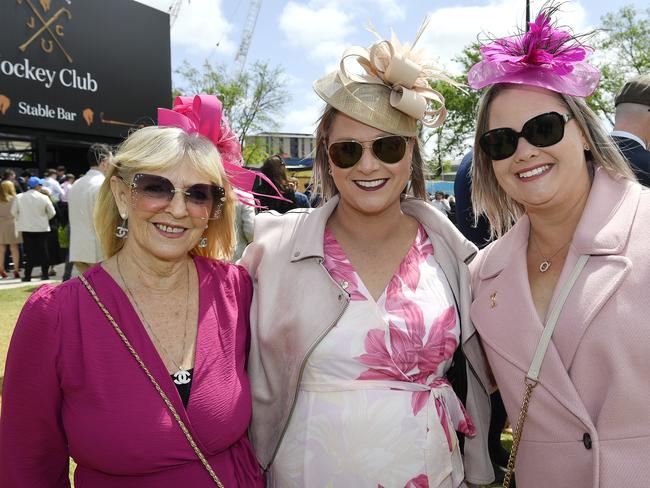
(546, 264)
(183, 375)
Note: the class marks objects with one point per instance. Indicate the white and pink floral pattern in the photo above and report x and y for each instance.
(374, 408)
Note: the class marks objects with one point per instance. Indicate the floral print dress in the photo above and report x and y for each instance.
(374, 407)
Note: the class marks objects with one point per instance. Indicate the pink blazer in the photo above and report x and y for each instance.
(589, 418)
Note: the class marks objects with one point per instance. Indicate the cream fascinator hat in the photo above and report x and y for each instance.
(392, 94)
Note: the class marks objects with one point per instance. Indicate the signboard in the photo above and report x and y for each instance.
(98, 67)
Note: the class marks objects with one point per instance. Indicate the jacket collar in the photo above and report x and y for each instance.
(603, 229)
(310, 242)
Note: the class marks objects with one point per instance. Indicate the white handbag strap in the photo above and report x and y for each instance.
(540, 352)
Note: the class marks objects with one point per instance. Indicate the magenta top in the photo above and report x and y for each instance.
(71, 388)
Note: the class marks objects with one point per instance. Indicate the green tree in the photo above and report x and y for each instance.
(451, 140)
(252, 101)
(623, 50)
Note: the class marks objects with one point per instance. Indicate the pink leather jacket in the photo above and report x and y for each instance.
(296, 303)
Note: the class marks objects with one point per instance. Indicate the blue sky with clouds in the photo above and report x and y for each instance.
(307, 37)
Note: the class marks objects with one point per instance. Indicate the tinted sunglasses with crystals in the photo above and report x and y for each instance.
(388, 149)
(153, 193)
(541, 131)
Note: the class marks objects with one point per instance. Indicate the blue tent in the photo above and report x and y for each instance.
(443, 186)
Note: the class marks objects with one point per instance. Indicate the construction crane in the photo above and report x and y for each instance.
(174, 8)
(247, 35)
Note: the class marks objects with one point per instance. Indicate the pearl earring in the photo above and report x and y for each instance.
(122, 230)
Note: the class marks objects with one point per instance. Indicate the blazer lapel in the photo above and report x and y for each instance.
(602, 233)
(505, 317)
(600, 279)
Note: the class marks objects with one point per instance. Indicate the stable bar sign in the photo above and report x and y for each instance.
(83, 66)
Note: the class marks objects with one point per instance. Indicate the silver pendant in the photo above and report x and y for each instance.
(182, 377)
(543, 268)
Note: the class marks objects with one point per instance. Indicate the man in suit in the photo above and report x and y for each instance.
(632, 128)
(84, 245)
(478, 233)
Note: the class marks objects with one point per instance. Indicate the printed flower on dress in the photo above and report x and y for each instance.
(412, 357)
(409, 269)
(339, 267)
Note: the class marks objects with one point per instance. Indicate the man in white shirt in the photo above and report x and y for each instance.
(440, 203)
(33, 211)
(632, 127)
(85, 249)
(53, 185)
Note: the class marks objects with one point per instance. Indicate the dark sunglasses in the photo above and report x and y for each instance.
(541, 131)
(153, 193)
(388, 149)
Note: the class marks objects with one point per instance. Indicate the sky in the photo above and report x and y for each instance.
(307, 37)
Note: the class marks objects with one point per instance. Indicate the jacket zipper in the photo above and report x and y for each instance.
(467, 361)
(304, 363)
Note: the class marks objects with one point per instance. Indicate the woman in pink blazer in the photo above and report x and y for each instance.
(543, 160)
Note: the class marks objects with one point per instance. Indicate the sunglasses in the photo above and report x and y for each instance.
(388, 149)
(541, 131)
(153, 193)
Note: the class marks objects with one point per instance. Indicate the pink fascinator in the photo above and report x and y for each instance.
(203, 114)
(544, 56)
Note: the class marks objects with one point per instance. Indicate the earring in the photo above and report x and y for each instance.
(203, 242)
(122, 230)
(329, 170)
(586, 147)
(410, 170)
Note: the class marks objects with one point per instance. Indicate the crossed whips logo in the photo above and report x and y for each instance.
(49, 31)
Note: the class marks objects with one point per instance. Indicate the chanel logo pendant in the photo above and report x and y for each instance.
(182, 377)
(493, 300)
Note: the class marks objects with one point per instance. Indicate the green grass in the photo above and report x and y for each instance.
(11, 302)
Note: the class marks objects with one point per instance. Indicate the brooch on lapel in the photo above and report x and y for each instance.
(493, 300)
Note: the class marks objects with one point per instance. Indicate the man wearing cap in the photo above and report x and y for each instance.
(632, 128)
(32, 211)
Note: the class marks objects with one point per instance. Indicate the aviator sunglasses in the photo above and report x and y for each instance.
(541, 131)
(153, 193)
(388, 149)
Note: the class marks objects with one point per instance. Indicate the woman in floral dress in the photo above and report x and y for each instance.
(360, 306)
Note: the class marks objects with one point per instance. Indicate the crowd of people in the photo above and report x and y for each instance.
(48, 221)
(363, 342)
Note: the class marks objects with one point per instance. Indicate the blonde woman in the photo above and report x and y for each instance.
(560, 298)
(164, 216)
(9, 236)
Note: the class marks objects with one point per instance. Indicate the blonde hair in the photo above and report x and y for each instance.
(7, 191)
(487, 195)
(158, 148)
(322, 181)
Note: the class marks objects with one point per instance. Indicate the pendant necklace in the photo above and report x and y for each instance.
(546, 264)
(183, 376)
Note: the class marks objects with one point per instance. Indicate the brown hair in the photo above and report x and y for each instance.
(322, 181)
(275, 170)
(487, 195)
